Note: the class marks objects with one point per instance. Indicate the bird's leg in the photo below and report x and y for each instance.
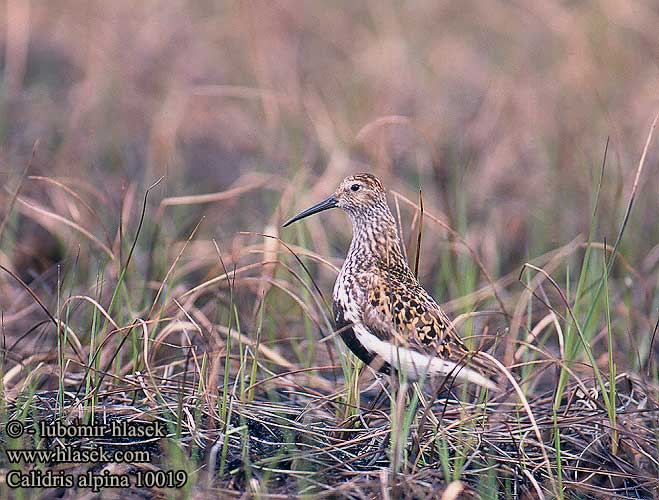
(353, 419)
(397, 439)
(374, 365)
(426, 415)
(426, 405)
(380, 398)
(377, 400)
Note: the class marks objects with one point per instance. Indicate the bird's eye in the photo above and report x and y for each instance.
(355, 187)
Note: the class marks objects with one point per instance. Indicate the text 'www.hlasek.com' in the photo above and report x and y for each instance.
(91, 446)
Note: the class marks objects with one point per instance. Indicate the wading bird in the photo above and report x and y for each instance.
(382, 312)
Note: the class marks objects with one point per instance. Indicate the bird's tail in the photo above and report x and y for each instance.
(466, 370)
(465, 366)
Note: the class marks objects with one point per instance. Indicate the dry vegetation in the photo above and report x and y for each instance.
(146, 147)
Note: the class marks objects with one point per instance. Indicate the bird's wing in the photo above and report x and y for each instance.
(407, 315)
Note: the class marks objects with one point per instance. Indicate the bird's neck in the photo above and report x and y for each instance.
(375, 240)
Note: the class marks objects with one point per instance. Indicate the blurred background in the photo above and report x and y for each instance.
(499, 111)
(239, 114)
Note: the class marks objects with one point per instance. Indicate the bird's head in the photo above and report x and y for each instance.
(359, 195)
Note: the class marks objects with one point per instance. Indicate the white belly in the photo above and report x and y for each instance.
(416, 364)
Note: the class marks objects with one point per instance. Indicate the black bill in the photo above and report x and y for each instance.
(326, 204)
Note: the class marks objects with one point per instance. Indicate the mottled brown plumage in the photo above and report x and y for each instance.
(380, 308)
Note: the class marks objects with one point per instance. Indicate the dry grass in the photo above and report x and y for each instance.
(191, 305)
